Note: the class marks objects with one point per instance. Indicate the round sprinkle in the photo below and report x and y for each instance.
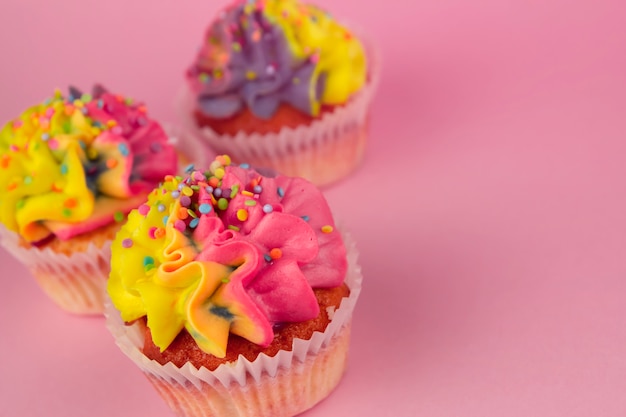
(305, 218)
(70, 203)
(276, 253)
(244, 166)
(205, 208)
(127, 243)
(219, 173)
(161, 208)
(194, 223)
(257, 189)
(175, 194)
(45, 136)
(118, 216)
(67, 212)
(267, 257)
(123, 148)
(180, 225)
(159, 232)
(144, 209)
(192, 213)
(111, 163)
(53, 144)
(327, 229)
(185, 201)
(208, 189)
(152, 232)
(217, 192)
(187, 191)
(182, 213)
(148, 260)
(242, 215)
(267, 208)
(280, 191)
(222, 204)
(28, 180)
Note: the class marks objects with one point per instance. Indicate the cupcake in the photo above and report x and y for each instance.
(233, 292)
(71, 168)
(281, 84)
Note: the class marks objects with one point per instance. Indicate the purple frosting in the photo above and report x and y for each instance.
(246, 61)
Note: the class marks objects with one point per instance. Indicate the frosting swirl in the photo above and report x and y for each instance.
(75, 163)
(259, 53)
(225, 251)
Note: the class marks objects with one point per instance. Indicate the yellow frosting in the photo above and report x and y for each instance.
(154, 273)
(311, 32)
(66, 165)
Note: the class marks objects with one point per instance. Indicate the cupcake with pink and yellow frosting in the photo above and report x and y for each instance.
(233, 292)
(282, 84)
(71, 168)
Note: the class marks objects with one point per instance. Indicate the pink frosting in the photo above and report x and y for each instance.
(310, 258)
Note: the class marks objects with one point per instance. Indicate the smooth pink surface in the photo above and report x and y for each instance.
(490, 210)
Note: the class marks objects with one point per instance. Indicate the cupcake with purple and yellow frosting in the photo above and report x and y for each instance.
(71, 169)
(233, 292)
(281, 84)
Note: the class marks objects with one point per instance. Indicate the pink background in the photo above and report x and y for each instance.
(490, 209)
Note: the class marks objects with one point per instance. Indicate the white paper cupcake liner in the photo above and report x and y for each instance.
(285, 384)
(323, 152)
(77, 282)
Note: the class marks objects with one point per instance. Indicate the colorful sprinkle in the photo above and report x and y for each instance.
(185, 201)
(161, 208)
(53, 144)
(305, 218)
(327, 229)
(222, 204)
(152, 232)
(123, 148)
(250, 203)
(267, 208)
(242, 215)
(127, 243)
(267, 257)
(118, 216)
(257, 189)
(233, 227)
(280, 191)
(276, 253)
(180, 225)
(194, 223)
(111, 163)
(205, 208)
(144, 209)
(189, 168)
(70, 203)
(187, 191)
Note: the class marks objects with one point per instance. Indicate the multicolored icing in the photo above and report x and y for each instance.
(259, 53)
(76, 163)
(225, 251)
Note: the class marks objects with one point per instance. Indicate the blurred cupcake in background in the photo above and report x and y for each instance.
(71, 169)
(281, 84)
